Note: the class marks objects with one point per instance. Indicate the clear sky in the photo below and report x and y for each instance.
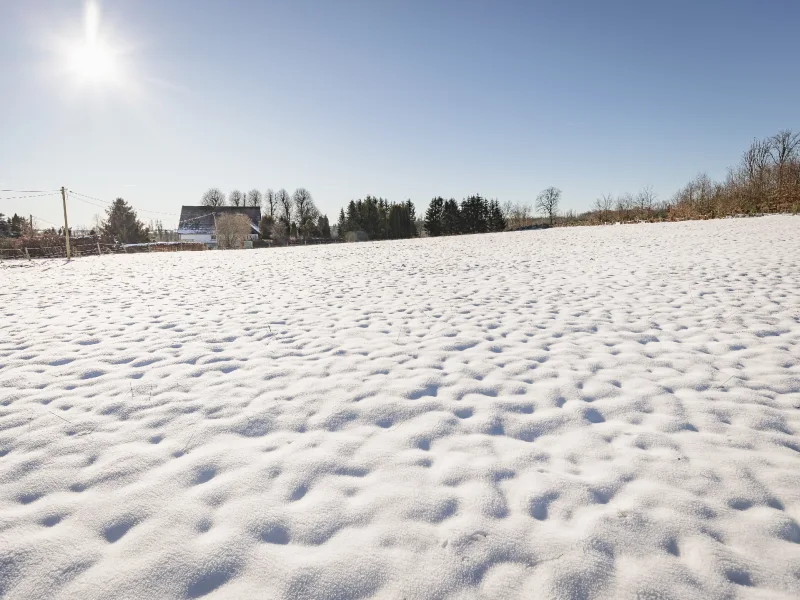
(397, 99)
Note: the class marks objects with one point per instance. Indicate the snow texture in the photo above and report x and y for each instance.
(608, 412)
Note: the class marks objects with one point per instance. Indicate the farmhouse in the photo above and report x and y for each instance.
(197, 223)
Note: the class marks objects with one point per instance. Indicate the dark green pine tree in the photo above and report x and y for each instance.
(372, 218)
(353, 221)
(5, 226)
(397, 218)
(341, 226)
(497, 221)
(121, 224)
(15, 225)
(411, 219)
(434, 216)
(382, 223)
(451, 218)
(324, 227)
(475, 215)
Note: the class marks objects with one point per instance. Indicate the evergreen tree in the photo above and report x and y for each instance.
(5, 226)
(475, 215)
(497, 221)
(398, 218)
(121, 224)
(433, 217)
(378, 218)
(352, 222)
(411, 219)
(371, 221)
(324, 227)
(451, 218)
(383, 208)
(341, 226)
(15, 225)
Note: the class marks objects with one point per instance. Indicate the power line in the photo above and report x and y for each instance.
(89, 197)
(155, 212)
(30, 191)
(86, 201)
(46, 221)
(34, 196)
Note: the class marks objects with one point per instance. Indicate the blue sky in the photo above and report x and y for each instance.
(396, 99)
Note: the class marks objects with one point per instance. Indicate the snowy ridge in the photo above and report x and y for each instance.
(571, 413)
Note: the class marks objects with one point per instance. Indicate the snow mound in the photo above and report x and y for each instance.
(574, 413)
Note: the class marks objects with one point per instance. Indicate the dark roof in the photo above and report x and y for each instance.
(200, 219)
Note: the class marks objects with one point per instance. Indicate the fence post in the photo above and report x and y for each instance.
(98, 248)
(28, 256)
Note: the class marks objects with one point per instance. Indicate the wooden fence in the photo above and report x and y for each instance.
(95, 248)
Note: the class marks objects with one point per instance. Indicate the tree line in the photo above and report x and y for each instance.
(476, 214)
(766, 180)
(376, 219)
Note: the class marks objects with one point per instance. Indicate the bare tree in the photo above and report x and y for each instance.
(270, 202)
(253, 198)
(305, 212)
(698, 198)
(645, 200)
(785, 147)
(516, 215)
(625, 204)
(507, 208)
(213, 197)
(284, 209)
(756, 160)
(236, 198)
(606, 205)
(547, 202)
(232, 230)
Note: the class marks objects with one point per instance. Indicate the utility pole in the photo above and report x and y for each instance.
(66, 225)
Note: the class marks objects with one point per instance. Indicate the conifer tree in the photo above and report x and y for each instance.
(324, 227)
(474, 215)
(15, 225)
(451, 218)
(411, 219)
(497, 221)
(341, 226)
(121, 224)
(433, 217)
(352, 222)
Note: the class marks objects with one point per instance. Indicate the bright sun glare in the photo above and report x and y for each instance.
(91, 58)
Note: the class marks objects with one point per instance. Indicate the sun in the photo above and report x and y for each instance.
(91, 59)
(93, 62)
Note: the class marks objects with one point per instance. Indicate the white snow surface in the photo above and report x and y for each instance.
(607, 412)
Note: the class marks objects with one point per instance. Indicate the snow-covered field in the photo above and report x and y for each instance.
(577, 413)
